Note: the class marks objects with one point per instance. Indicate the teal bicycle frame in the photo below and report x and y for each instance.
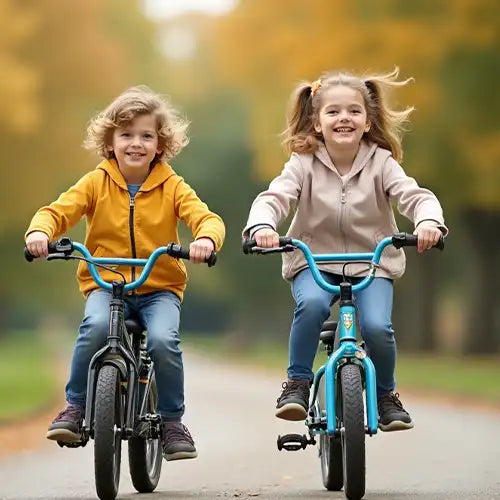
(347, 335)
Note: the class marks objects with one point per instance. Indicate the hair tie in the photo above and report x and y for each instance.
(314, 87)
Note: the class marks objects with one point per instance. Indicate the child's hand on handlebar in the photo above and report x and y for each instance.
(200, 250)
(428, 235)
(37, 244)
(267, 238)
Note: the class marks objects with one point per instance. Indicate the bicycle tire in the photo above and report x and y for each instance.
(108, 419)
(330, 451)
(145, 455)
(353, 432)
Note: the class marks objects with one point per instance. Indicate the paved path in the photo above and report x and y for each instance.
(449, 455)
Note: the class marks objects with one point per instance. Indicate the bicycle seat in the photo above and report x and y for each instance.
(133, 326)
(328, 330)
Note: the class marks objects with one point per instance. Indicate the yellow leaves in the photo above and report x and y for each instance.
(19, 83)
(266, 51)
(482, 155)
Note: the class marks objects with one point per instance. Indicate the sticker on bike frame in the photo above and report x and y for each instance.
(347, 320)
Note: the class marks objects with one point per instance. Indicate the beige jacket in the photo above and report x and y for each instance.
(338, 214)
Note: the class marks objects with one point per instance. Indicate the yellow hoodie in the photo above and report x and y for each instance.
(118, 226)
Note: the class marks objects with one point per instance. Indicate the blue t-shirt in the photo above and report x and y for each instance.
(132, 189)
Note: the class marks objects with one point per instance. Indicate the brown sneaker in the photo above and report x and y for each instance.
(177, 442)
(67, 426)
(293, 402)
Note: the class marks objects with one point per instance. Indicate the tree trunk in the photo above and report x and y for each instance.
(415, 301)
(483, 330)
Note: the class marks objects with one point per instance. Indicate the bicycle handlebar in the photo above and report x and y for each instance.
(64, 247)
(398, 240)
(287, 244)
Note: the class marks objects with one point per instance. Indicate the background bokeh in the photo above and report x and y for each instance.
(230, 67)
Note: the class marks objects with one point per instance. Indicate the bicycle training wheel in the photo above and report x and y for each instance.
(330, 451)
(108, 424)
(145, 453)
(353, 432)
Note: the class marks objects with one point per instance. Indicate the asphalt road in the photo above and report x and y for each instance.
(451, 454)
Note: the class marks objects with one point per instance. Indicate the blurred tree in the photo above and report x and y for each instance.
(19, 84)
(451, 48)
(71, 59)
(238, 294)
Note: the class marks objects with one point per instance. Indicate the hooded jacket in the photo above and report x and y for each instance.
(121, 226)
(340, 214)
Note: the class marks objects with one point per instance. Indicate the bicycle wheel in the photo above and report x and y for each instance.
(108, 423)
(145, 453)
(330, 451)
(353, 432)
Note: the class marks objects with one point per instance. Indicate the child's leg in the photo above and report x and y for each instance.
(160, 313)
(311, 310)
(66, 427)
(375, 308)
(374, 305)
(92, 336)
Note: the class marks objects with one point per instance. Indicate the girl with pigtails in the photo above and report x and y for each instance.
(343, 174)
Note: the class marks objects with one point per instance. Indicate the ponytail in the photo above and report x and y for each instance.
(387, 124)
(299, 135)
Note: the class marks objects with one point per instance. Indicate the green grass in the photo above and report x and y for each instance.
(475, 378)
(27, 382)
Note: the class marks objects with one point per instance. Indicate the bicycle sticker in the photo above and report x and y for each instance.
(347, 320)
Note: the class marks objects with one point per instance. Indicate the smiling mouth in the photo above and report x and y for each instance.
(343, 130)
(135, 155)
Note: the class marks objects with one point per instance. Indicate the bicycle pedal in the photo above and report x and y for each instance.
(294, 442)
(77, 444)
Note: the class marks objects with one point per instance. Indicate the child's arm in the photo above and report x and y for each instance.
(273, 205)
(418, 204)
(56, 218)
(205, 225)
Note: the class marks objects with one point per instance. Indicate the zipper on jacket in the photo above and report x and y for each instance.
(341, 217)
(132, 236)
(342, 194)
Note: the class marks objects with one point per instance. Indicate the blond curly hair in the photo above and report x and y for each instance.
(136, 101)
(387, 124)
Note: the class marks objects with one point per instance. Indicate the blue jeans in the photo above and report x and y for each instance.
(159, 312)
(374, 307)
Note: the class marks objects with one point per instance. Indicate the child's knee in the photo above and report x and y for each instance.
(376, 332)
(166, 342)
(314, 306)
(96, 325)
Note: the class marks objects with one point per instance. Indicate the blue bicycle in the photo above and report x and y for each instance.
(121, 389)
(336, 408)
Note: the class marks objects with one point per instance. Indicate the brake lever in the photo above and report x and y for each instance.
(262, 250)
(59, 255)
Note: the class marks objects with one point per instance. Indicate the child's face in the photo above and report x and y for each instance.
(136, 144)
(342, 117)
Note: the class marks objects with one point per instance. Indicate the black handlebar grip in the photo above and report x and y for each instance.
(440, 244)
(180, 252)
(28, 256)
(212, 259)
(177, 251)
(411, 240)
(51, 246)
(247, 245)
